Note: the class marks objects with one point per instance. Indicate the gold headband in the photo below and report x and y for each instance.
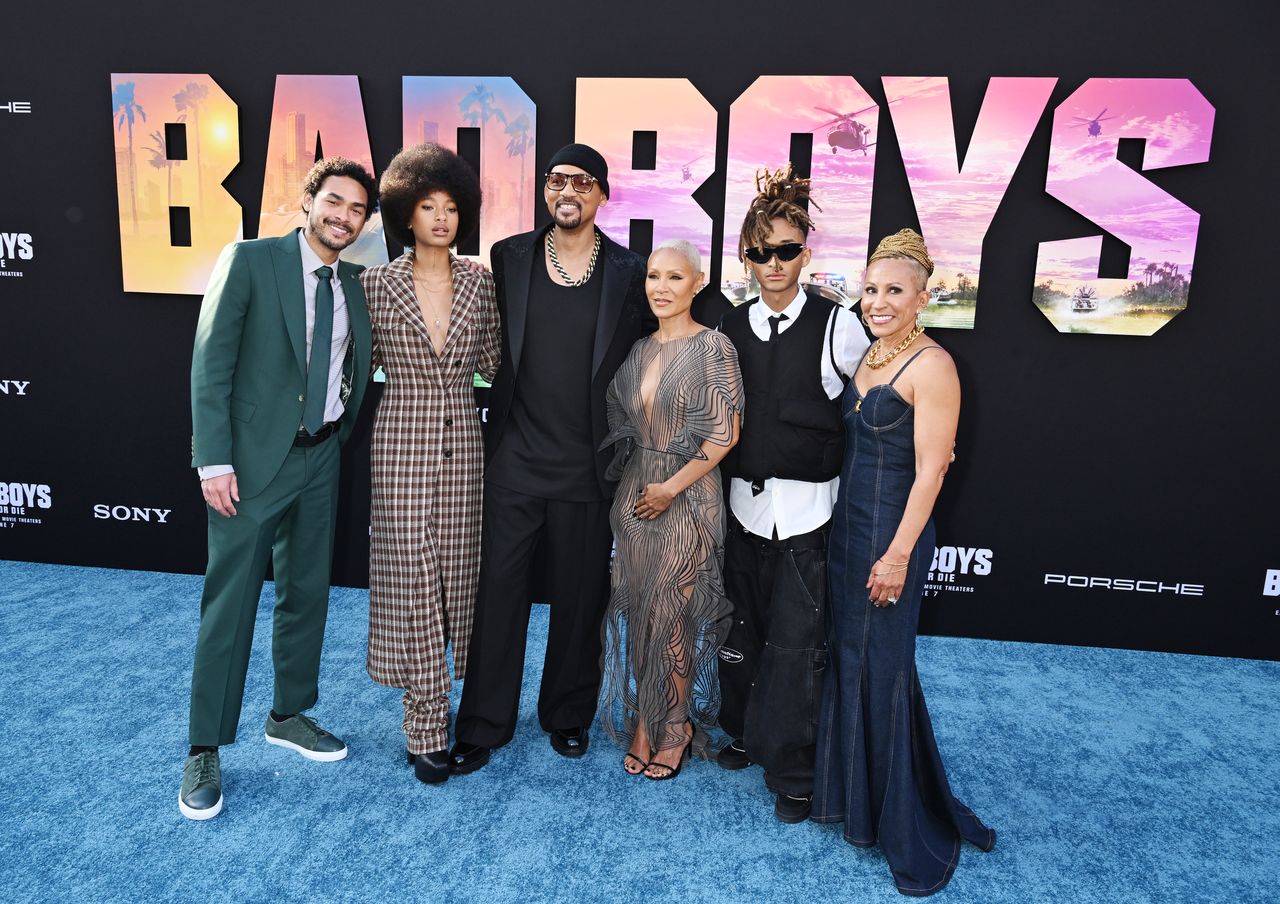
(904, 243)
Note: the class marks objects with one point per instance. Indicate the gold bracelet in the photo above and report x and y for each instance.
(882, 559)
(881, 574)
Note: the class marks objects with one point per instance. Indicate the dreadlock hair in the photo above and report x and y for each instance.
(780, 195)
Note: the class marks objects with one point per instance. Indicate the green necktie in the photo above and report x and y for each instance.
(318, 367)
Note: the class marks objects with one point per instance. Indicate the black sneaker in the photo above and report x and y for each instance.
(200, 796)
(733, 756)
(791, 810)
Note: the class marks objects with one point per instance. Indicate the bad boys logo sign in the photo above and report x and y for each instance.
(15, 247)
(956, 197)
(955, 568)
(24, 503)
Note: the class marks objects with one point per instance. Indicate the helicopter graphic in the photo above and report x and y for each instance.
(686, 169)
(1095, 124)
(848, 132)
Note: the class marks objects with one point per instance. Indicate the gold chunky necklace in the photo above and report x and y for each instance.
(555, 261)
(875, 362)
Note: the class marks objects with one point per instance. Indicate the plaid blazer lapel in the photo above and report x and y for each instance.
(399, 289)
(466, 289)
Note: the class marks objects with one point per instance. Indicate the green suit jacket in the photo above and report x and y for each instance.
(249, 368)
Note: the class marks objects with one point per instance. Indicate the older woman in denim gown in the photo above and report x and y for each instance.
(878, 767)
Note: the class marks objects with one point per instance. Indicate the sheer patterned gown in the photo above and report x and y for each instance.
(668, 614)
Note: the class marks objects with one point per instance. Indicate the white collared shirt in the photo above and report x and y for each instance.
(333, 406)
(793, 507)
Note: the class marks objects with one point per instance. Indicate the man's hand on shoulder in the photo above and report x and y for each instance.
(220, 492)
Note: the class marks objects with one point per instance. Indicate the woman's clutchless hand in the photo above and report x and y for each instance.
(886, 582)
(654, 499)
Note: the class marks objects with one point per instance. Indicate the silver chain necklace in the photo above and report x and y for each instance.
(564, 275)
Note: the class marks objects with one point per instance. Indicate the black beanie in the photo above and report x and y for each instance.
(584, 157)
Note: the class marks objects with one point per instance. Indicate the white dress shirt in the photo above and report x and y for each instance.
(333, 406)
(793, 507)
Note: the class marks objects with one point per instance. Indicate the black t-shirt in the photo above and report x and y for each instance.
(546, 449)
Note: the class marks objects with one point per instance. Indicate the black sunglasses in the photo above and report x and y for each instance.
(788, 251)
(581, 181)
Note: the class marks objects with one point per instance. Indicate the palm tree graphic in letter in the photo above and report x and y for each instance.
(190, 98)
(482, 99)
(518, 146)
(126, 110)
(159, 152)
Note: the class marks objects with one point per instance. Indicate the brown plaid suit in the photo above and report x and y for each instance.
(427, 461)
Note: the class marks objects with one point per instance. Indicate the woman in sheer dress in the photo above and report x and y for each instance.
(674, 409)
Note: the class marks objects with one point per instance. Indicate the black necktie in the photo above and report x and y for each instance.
(757, 486)
(318, 366)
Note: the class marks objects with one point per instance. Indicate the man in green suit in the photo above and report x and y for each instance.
(281, 360)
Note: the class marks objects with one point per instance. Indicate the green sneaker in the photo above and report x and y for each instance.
(200, 796)
(306, 737)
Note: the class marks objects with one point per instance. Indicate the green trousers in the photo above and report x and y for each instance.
(292, 523)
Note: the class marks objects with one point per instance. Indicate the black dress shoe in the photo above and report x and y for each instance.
(790, 809)
(464, 758)
(733, 756)
(431, 768)
(570, 742)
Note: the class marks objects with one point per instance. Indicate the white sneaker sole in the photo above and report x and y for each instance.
(315, 755)
(200, 815)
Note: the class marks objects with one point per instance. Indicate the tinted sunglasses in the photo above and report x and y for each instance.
(581, 182)
(785, 252)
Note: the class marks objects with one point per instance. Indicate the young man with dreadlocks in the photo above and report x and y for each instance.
(796, 351)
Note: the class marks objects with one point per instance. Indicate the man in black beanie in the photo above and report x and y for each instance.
(572, 304)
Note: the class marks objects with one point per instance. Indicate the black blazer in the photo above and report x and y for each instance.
(623, 318)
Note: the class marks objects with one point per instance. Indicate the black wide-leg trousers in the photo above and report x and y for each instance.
(566, 545)
(772, 664)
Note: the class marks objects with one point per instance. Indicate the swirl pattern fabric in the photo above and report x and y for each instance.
(667, 614)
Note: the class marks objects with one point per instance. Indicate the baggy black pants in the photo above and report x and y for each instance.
(772, 664)
(567, 544)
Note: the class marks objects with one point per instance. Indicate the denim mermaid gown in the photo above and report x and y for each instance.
(878, 767)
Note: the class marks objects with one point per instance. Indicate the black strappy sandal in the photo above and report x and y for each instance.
(672, 772)
(632, 756)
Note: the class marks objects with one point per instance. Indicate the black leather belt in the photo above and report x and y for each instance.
(304, 439)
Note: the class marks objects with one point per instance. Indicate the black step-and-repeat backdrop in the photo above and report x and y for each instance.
(1095, 183)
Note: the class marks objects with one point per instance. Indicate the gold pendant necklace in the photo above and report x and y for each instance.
(875, 362)
(426, 291)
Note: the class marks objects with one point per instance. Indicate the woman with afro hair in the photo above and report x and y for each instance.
(435, 324)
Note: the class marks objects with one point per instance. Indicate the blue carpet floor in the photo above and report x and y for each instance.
(1110, 776)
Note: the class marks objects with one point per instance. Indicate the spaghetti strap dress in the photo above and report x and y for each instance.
(878, 768)
(667, 614)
